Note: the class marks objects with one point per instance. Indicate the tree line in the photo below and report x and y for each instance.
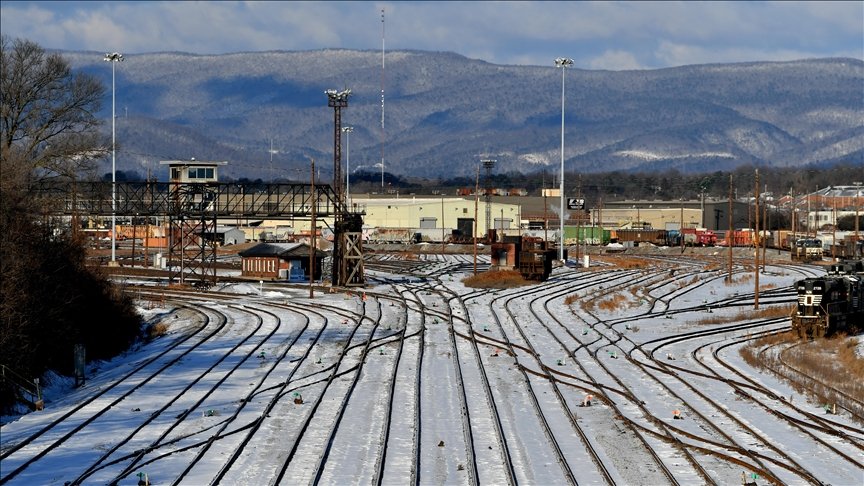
(50, 300)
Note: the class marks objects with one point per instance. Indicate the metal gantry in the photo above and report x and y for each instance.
(193, 210)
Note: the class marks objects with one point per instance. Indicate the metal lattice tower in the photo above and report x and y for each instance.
(488, 164)
(337, 100)
(347, 242)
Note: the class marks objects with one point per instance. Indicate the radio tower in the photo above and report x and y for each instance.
(382, 100)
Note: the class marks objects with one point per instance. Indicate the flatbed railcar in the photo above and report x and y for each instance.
(830, 304)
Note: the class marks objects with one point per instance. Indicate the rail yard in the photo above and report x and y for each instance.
(628, 372)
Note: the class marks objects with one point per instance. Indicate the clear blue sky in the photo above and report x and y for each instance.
(597, 35)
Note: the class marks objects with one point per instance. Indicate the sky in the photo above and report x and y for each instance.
(596, 35)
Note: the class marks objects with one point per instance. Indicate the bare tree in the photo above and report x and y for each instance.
(48, 129)
(48, 123)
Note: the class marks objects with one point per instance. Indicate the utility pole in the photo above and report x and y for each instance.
(442, 225)
(731, 231)
(578, 220)
(545, 215)
(765, 224)
(476, 202)
(488, 164)
(794, 215)
(312, 230)
(756, 253)
(833, 230)
(857, 206)
(681, 230)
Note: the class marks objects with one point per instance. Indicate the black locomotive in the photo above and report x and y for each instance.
(832, 303)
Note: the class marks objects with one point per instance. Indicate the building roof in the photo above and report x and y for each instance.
(840, 191)
(281, 250)
(192, 162)
(225, 229)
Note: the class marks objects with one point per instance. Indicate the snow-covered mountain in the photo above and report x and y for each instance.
(443, 112)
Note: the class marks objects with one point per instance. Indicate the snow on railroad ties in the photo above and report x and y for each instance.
(440, 405)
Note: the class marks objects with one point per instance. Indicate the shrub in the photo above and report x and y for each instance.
(500, 279)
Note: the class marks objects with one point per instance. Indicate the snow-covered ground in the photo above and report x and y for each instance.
(423, 380)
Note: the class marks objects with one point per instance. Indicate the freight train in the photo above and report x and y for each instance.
(831, 304)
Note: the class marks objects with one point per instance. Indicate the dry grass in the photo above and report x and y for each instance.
(764, 313)
(570, 299)
(614, 302)
(157, 330)
(503, 279)
(831, 364)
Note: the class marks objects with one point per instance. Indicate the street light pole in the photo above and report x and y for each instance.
(113, 58)
(563, 63)
(348, 131)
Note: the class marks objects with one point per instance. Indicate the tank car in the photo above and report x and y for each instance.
(832, 303)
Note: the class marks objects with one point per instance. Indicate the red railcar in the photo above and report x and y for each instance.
(699, 237)
(745, 237)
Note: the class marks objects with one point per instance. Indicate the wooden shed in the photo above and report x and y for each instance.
(280, 261)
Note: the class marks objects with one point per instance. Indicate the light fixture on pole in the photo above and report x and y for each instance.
(113, 58)
(563, 63)
(347, 131)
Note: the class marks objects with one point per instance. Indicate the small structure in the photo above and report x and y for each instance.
(280, 261)
(192, 170)
(226, 235)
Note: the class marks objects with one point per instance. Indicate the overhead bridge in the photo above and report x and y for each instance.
(192, 210)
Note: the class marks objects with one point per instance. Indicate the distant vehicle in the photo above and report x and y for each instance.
(807, 250)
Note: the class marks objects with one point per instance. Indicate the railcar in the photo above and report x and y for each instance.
(530, 256)
(636, 236)
(830, 304)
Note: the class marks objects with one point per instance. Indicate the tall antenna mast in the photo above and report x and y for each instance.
(382, 100)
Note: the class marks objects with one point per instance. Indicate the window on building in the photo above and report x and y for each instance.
(201, 173)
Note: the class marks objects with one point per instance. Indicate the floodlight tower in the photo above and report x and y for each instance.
(338, 100)
(488, 164)
(563, 63)
(113, 58)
